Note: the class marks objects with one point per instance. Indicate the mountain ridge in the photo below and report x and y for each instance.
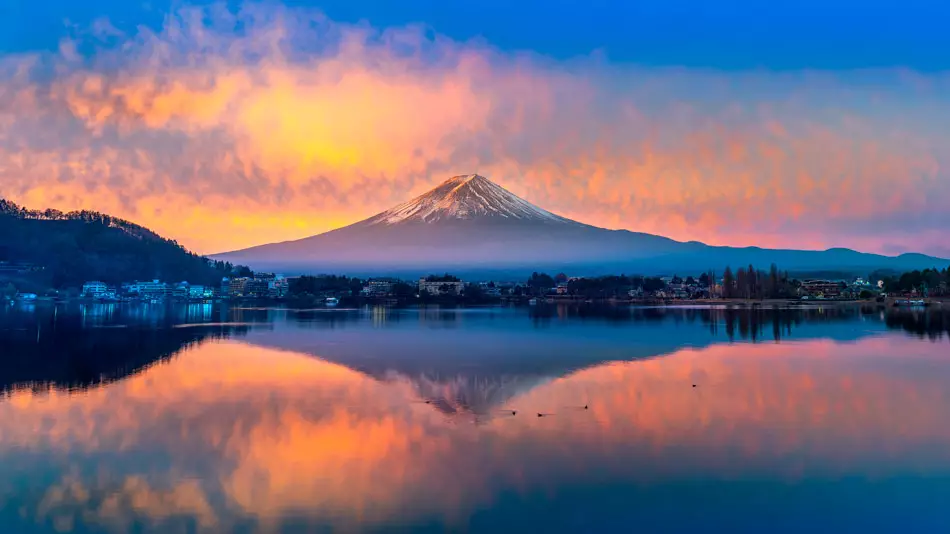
(65, 250)
(470, 223)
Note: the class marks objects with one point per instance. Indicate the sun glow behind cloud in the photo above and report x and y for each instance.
(232, 128)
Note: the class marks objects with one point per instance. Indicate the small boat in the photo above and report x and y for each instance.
(332, 301)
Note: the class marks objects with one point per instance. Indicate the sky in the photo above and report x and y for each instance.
(229, 124)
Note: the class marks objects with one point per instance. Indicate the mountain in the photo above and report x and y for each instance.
(43, 249)
(469, 224)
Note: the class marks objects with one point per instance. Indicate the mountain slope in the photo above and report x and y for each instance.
(68, 249)
(470, 224)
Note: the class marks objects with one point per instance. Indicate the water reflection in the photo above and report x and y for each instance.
(323, 424)
(233, 436)
(74, 349)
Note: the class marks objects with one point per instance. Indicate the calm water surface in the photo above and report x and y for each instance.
(202, 418)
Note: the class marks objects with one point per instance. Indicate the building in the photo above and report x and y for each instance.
(441, 288)
(279, 287)
(238, 287)
(377, 288)
(257, 287)
(17, 267)
(181, 291)
(200, 292)
(95, 289)
(260, 286)
(153, 290)
(821, 289)
(490, 289)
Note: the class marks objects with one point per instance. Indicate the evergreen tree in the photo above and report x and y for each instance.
(728, 284)
(773, 289)
(704, 280)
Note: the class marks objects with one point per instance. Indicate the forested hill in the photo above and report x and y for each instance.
(68, 249)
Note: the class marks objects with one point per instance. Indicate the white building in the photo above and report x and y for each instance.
(95, 289)
(153, 289)
(200, 292)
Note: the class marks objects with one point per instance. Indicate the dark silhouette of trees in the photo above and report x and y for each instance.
(325, 285)
(704, 280)
(653, 284)
(540, 283)
(773, 286)
(933, 282)
(442, 278)
(728, 284)
(402, 290)
(742, 284)
(72, 248)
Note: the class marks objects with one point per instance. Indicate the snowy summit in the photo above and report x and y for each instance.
(465, 197)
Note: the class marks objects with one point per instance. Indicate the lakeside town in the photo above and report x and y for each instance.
(744, 285)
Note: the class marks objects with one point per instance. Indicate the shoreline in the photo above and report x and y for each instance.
(934, 302)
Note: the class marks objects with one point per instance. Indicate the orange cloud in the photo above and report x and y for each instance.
(296, 125)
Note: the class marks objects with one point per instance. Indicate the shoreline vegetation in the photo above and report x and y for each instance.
(356, 302)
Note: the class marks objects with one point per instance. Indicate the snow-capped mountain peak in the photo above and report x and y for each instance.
(465, 197)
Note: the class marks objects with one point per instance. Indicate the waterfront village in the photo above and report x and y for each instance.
(331, 289)
(744, 284)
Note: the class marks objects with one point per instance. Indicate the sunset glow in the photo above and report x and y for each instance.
(231, 128)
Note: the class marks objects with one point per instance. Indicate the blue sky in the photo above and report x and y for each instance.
(724, 34)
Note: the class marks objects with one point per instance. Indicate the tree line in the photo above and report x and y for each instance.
(933, 281)
(70, 249)
(752, 283)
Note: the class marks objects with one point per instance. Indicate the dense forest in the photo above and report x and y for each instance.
(933, 281)
(64, 250)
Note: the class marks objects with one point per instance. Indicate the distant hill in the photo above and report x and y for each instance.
(68, 249)
(470, 225)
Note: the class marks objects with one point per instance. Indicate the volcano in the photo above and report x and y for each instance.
(469, 224)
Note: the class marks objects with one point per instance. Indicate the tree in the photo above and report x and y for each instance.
(690, 281)
(443, 278)
(403, 290)
(473, 293)
(560, 278)
(742, 284)
(752, 280)
(773, 287)
(540, 283)
(69, 249)
(704, 280)
(677, 280)
(653, 284)
(728, 283)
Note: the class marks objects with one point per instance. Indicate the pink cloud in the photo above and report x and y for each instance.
(297, 124)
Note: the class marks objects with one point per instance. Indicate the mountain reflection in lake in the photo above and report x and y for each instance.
(119, 419)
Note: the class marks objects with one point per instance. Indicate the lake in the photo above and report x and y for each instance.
(206, 418)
